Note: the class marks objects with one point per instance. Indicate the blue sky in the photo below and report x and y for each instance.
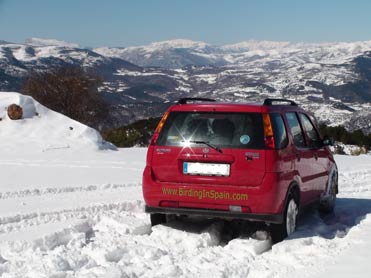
(135, 22)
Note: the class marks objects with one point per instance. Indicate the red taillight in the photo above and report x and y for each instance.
(268, 132)
(158, 128)
(162, 122)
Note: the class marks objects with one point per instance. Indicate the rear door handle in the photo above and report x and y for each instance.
(315, 156)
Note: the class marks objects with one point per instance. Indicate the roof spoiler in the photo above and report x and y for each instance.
(270, 101)
(192, 99)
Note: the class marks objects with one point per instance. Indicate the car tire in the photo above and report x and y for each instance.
(157, 219)
(280, 231)
(327, 204)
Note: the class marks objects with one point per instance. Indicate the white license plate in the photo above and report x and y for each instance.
(206, 169)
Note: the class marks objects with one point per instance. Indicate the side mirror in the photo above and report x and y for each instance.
(328, 141)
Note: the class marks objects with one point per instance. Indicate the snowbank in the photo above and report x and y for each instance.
(348, 149)
(42, 129)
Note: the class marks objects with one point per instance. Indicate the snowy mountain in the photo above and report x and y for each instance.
(162, 54)
(167, 54)
(49, 42)
(331, 79)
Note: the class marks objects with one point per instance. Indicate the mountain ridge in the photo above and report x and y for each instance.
(331, 79)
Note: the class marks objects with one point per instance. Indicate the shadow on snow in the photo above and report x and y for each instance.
(348, 213)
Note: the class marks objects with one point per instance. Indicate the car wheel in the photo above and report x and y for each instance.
(327, 203)
(280, 231)
(157, 218)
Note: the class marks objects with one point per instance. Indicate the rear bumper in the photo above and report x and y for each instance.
(269, 218)
(260, 203)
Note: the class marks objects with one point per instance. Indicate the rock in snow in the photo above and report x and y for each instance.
(15, 112)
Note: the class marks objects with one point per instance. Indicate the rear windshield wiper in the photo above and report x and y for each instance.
(207, 144)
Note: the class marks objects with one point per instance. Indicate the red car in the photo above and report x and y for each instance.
(259, 162)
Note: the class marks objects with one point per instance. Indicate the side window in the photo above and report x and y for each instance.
(296, 131)
(280, 136)
(310, 131)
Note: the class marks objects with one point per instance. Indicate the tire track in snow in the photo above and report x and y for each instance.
(21, 221)
(66, 189)
(73, 163)
(29, 208)
(122, 243)
(119, 242)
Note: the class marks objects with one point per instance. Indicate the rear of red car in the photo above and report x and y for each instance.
(215, 160)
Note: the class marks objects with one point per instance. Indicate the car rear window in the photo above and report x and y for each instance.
(228, 130)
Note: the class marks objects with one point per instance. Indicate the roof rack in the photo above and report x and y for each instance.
(185, 100)
(269, 101)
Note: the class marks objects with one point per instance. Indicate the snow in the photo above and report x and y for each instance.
(34, 51)
(354, 262)
(255, 45)
(78, 211)
(110, 51)
(45, 130)
(178, 43)
(50, 42)
(21, 54)
(125, 72)
(246, 52)
(153, 47)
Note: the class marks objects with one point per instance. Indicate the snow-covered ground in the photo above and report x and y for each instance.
(71, 206)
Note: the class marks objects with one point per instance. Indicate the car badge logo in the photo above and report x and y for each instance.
(205, 150)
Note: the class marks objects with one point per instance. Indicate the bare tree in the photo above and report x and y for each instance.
(70, 91)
